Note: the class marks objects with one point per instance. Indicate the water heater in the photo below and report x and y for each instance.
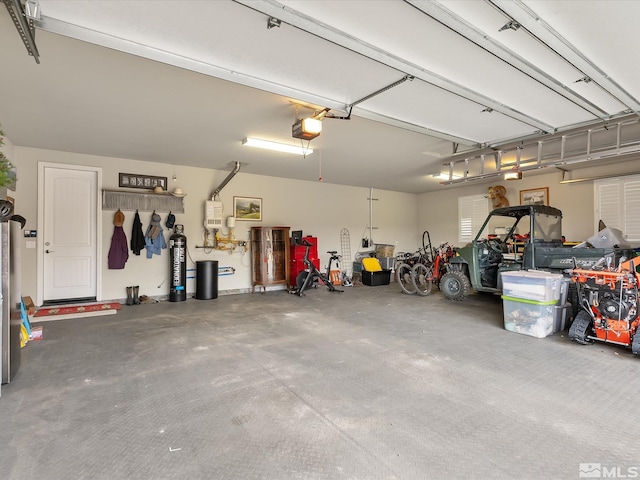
(213, 214)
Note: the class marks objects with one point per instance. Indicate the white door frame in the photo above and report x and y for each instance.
(40, 237)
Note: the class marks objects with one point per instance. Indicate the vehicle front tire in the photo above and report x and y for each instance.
(455, 286)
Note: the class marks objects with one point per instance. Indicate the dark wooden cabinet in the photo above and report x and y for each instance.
(269, 256)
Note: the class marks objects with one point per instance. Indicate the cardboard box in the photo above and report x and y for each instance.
(384, 250)
(29, 305)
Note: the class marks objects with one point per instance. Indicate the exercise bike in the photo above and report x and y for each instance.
(311, 274)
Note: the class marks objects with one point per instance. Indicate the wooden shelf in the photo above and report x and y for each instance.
(141, 201)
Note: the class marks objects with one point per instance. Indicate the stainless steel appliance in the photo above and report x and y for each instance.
(10, 319)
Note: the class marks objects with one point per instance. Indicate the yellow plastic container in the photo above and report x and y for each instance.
(371, 264)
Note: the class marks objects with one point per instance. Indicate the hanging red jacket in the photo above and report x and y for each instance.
(119, 250)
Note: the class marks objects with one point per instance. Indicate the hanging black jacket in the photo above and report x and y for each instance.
(137, 235)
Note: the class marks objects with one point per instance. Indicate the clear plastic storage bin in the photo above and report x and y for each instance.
(532, 285)
(529, 317)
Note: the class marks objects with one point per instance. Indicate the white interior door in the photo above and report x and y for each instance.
(69, 233)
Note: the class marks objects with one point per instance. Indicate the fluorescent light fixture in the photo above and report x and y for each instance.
(445, 176)
(278, 147)
(306, 128)
(515, 175)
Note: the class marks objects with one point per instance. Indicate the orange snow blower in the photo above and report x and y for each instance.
(608, 297)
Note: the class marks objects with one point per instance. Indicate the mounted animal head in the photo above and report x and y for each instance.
(498, 197)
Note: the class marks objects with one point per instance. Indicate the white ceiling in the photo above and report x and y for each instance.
(183, 82)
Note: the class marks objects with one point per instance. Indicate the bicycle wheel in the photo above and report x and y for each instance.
(404, 274)
(422, 279)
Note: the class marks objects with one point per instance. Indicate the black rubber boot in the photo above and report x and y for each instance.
(136, 298)
(129, 295)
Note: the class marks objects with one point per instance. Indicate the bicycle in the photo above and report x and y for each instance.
(417, 272)
(311, 275)
(425, 276)
(418, 264)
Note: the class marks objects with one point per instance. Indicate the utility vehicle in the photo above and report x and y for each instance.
(524, 237)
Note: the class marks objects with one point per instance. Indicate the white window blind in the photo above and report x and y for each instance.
(617, 205)
(608, 209)
(472, 212)
(631, 209)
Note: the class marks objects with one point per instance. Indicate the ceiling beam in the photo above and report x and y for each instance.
(542, 31)
(439, 12)
(295, 18)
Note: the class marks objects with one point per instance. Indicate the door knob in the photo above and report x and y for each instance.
(48, 251)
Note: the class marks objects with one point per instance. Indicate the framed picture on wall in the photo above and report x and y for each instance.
(247, 208)
(535, 196)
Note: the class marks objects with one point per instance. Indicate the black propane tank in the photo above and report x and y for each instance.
(178, 256)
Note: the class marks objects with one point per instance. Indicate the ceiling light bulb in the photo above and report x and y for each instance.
(311, 125)
(306, 128)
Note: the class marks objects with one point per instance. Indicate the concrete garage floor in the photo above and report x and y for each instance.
(367, 384)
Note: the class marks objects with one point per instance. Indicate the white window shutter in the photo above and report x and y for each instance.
(472, 212)
(608, 204)
(631, 209)
(618, 203)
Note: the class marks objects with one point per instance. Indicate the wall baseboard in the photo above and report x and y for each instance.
(190, 295)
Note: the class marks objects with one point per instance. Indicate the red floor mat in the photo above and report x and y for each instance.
(66, 310)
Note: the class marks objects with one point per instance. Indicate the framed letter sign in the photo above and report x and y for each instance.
(149, 182)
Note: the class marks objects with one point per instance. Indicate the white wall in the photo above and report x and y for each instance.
(318, 209)
(438, 211)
